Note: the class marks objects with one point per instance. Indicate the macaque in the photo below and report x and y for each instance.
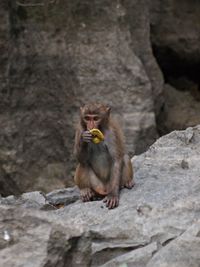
(103, 168)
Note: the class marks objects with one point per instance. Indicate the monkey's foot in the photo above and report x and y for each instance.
(86, 194)
(129, 184)
(111, 201)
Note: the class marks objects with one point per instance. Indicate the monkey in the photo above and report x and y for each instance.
(103, 168)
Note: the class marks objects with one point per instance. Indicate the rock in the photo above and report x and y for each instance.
(156, 223)
(63, 197)
(175, 27)
(138, 16)
(174, 36)
(61, 56)
(35, 241)
(26, 200)
(181, 110)
(183, 251)
(5, 49)
(138, 257)
(55, 199)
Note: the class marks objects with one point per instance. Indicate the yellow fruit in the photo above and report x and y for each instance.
(97, 136)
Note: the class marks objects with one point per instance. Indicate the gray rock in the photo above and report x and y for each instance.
(138, 16)
(138, 257)
(61, 56)
(181, 110)
(156, 223)
(183, 251)
(28, 200)
(63, 197)
(175, 28)
(35, 241)
(40, 200)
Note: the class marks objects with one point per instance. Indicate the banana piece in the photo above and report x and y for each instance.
(97, 136)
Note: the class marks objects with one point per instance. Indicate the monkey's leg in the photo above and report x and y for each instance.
(112, 198)
(127, 173)
(82, 180)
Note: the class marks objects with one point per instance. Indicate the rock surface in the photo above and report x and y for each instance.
(52, 53)
(175, 29)
(181, 110)
(157, 223)
(61, 56)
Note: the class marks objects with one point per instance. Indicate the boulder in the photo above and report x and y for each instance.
(157, 222)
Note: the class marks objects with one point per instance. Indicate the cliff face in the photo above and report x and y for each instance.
(175, 39)
(60, 56)
(57, 55)
(156, 223)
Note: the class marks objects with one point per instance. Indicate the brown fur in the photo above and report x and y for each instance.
(103, 168)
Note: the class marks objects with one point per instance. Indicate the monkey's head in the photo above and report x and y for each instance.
(94, 115)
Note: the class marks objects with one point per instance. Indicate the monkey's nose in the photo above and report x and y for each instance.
(91, 126)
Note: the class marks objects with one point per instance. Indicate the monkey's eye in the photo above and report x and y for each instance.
(96, 118)
(87, 118)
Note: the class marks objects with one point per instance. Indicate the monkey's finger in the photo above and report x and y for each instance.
(87, 139)
(85, 198)
(87, 133)
(114, 202)
(109, 202)
(87, 136)
(117, 202)
(105, 199)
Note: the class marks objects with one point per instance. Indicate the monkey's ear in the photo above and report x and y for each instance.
(108, 109)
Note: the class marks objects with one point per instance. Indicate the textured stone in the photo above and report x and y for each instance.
(156, 223)
(138, 16)
(175, 28)
(63, 197)
(183, 251)
(181, 110)
(175, 36)
(61, 56)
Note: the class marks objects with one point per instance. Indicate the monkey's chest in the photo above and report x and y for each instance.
(100, 160)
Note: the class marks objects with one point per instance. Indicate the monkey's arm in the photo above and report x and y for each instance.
(116, 149)
(112, 199)
(82, 138)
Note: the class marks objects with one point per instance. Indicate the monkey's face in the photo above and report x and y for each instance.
(94, 116)
(92, 121)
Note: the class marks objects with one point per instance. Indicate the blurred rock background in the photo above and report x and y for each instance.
(141, 57)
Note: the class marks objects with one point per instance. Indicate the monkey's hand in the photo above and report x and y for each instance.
(111, 200)
(86, 136)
